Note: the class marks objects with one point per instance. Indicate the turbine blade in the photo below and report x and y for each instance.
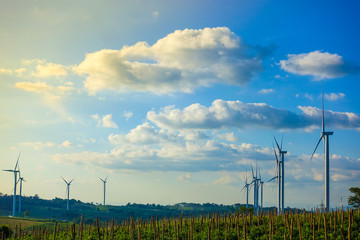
(101, 179)
(252, 170)
(282, 138)
(71, 181)
(106, 178)
(65, 180)
(272, 179)
(277, 144)
(9, 170)
(322, 105)
(317, 146)
(17, 162)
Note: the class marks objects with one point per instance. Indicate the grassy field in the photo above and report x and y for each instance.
(339, 225)
(25, 223)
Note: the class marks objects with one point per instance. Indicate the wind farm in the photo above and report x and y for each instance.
(200, 107)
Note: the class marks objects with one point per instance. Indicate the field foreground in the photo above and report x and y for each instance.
(241, 225)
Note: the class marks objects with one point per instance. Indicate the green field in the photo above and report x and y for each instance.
(241, 225)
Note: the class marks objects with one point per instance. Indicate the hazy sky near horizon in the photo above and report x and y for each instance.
(174, 100)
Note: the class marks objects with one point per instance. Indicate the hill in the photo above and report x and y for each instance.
(35, 207)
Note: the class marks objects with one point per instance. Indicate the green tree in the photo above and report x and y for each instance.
(355, 199)
(27, 213)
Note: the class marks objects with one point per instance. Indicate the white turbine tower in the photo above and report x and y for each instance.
(104, 181)
(15, 171)
(67, 191)
(278, 177)
(255, 181)
(325, 137)
(21, 179)
(282, 160)
(246, 186)
(262, 192)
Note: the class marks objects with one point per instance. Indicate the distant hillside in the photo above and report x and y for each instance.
(36, 207)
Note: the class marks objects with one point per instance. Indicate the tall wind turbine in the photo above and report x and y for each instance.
(246, 186)
(255, 181)
(282, 160)
(325, 137)
(104, 181)
(15, 171)
(262, 192)
(67, 191)
(278, 178)
(21, 179)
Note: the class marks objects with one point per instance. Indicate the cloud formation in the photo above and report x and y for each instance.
(106, 121)
(334, 96)
(225, 114)
(181, 61)
(319, 64)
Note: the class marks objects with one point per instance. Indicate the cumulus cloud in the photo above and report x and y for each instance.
(181, 61)
(319, 64)
(142, 134)
(49, 70)
(225, 114)
(106, 121)
(334, 96)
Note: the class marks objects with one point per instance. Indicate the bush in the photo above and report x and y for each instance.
(5, 230)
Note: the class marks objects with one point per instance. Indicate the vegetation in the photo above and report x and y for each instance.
(292, 225)
(35, 207)
(355, 199)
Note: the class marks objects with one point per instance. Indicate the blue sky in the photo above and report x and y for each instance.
(175, 100)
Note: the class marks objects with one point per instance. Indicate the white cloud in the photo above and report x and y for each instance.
(44, 88)
(142, 134)
(6, 71)
(334, 96)
(37, 145)
(181, 61)
(67, 144)
(309, 96)
(106, 121)
(185, 177)
(49, 70)
(227, 179)
(265, 91)
(128, 115)
(319, 64)
(230, 137)
(226, 114)
(33, 87)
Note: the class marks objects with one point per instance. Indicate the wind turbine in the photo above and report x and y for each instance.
(325, 137)
(104, 181)
(67, 191)
(262, 188)
(255, 181)
(21, 179)
(282, 160)
(247, 185)
(278, 177)
(15, 171)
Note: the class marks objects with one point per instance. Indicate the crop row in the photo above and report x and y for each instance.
(301, 225)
